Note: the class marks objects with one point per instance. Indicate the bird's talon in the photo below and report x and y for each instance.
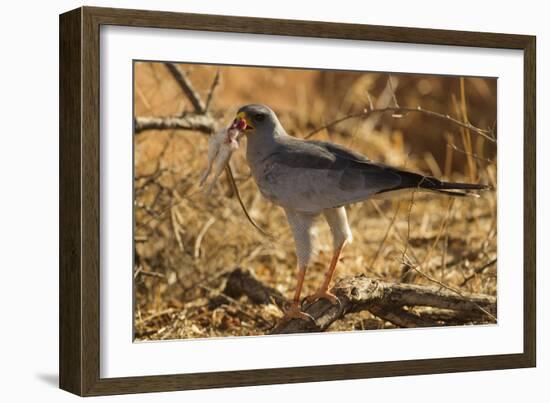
(333, 299)
(294, 312)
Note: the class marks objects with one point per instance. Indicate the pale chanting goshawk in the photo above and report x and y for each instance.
(308, 178)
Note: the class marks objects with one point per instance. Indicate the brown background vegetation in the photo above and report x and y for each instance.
(186, 241)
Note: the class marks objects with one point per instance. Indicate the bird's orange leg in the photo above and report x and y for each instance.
(323, 291)
(295, 312)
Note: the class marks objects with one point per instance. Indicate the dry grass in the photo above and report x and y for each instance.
(185, 241)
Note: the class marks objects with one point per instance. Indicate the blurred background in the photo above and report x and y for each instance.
(187, 242)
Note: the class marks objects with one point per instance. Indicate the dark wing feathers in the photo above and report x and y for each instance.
(357, 170)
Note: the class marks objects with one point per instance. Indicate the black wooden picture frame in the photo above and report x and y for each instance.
(79, 200)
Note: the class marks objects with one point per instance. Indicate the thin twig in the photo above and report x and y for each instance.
(213, 87)
(394, 97)
(151, 274)
(473, 155)
(466, 138)
(444, 255)
(201, 235)
(411, 205)
(155, 315)
(478, 271)
(395, 229)
(141, 95)
(403, 110)
(176, 226)
(442, 228)
(369, 98)
(388, 230)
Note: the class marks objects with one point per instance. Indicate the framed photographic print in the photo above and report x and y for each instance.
(249, 201)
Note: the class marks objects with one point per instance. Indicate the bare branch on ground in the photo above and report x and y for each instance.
(389, 301)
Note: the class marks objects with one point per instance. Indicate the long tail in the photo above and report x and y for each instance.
(452, 188)
(411, 181)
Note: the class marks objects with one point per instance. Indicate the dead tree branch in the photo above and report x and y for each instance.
(201, 123)
(242, 282)
(186, 87)
(389, 301)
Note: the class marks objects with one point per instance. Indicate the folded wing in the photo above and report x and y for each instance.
(315, 175)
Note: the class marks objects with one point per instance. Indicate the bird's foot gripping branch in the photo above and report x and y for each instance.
(391, 302)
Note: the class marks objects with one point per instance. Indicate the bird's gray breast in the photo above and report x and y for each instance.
(269, 180)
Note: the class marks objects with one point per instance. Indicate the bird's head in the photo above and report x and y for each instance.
(256, 119)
